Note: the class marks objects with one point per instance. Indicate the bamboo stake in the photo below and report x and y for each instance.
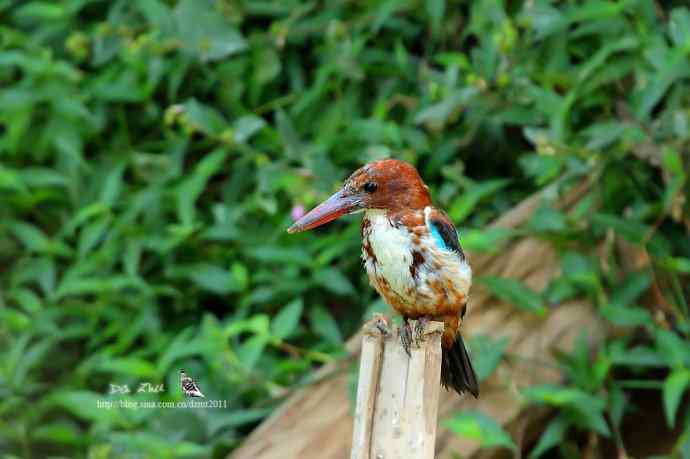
(397, 395)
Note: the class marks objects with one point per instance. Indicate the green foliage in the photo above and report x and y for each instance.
(477, 426)
(152, 154)
(515, 292)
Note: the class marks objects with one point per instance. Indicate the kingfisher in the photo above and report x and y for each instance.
(412, 256)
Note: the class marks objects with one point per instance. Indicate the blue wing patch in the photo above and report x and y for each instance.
(437, 237)
(444, 234)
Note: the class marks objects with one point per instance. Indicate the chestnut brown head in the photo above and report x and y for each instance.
(388, 184)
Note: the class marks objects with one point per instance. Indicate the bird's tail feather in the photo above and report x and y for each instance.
(456, 369)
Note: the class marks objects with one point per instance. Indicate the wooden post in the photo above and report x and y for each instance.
(397, 396)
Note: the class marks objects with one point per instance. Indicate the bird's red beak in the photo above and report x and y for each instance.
(336, 206)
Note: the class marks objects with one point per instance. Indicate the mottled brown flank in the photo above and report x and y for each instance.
(437, 287)
(370, 252)
(365, 228)
(365, 231)
(417, 260)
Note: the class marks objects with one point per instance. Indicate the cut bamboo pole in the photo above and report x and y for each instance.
(397, 395)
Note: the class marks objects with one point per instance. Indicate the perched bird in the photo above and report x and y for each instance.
(188, 385)
(411, 253)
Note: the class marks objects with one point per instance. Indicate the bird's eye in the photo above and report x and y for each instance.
(369, 187)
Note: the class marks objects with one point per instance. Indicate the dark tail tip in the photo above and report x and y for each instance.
(456, 369)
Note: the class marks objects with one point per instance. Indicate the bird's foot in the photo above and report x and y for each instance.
(378, 325)
(405, 332)
(419, 329)
(381, 323)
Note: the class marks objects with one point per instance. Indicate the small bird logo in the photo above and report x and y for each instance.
(188, 385)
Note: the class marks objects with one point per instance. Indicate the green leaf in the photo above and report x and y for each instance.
(36, 241)
(438, 114)
(32, 237)
(258, 324)
(246, 126)
(333, 280)
(324, 325)
(484, 240)
(491, 352)
(515, 292)
(129, 366)
(674, 386)
(628, 316)
(40, 11)
(202, 118)
(285, 322)
(112, 185)
(181, 346)
(679, 27)
(435, 10)
(204, 31)
(209, 277)
(541, 168)
(677, 264)
(673, 348)
(291, 142)
(638, 356)
(560, 396)
(550, 437)
(62, 433)
(251, 350)
(240, 275)
(601, 135)
(587, 409)
(27, 299)
(266, 63)
(547, 219)
(74, 285)
(673, 163)
(479, 427)
(191, 188)
(93, 234)
(11, 180)
(472, 195)
(275, 254)
(544, 19)
(580, 270)
(619, 311)
(633, 286)
(85, 405)
(618, 402)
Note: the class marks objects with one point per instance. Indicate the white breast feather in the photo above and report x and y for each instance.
(393, 249)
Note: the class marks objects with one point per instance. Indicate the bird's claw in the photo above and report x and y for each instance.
(379, 325)
(419, 327)
(405, 332)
